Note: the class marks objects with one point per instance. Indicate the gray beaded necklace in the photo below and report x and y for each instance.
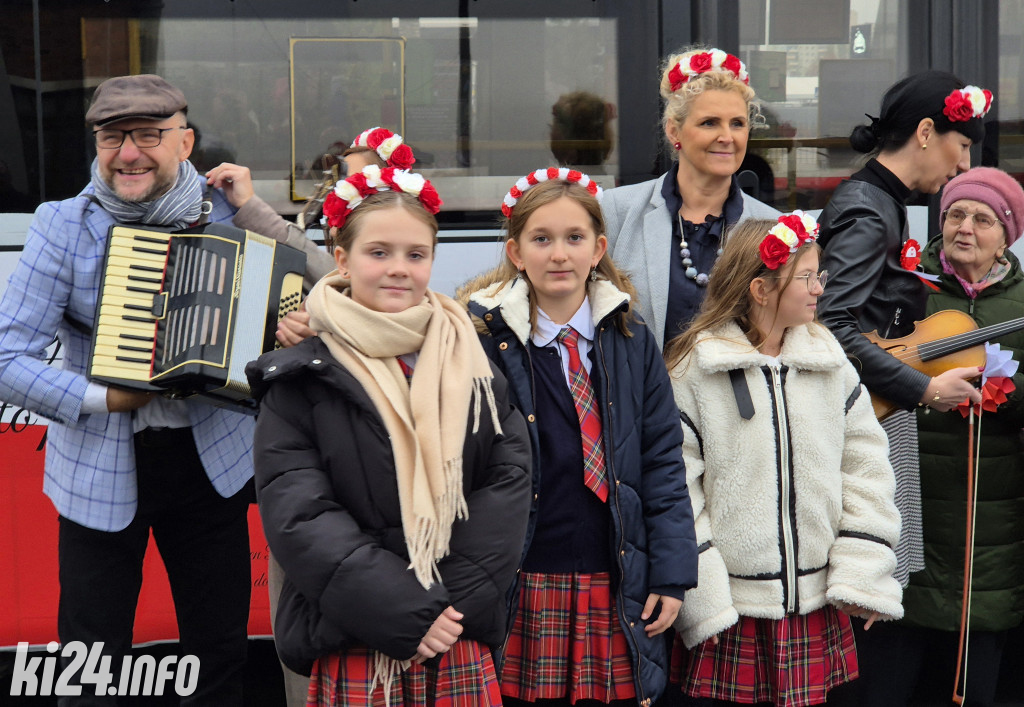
(684, 252)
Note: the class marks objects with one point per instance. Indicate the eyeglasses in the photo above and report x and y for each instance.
(112, 138)
(982, 222)
(811, 279)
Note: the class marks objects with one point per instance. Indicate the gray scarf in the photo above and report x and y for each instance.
(179, 208)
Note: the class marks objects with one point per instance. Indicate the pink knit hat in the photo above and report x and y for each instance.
(993, 187)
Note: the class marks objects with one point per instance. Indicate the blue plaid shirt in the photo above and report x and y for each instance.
(90, 459)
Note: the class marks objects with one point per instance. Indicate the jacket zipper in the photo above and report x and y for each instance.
(895, 322)
(785, 491)
(606, 434)
(517, 583)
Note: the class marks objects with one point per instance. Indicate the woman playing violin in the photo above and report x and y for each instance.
(921, 139)
(982, 214)
(917, 147)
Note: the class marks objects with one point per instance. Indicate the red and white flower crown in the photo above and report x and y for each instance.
(966, 103)
(348, 194)
(786, 237)
(542, 175)
(387, 145)
(695, 63)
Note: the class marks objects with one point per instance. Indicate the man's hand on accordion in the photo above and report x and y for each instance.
(126, 400)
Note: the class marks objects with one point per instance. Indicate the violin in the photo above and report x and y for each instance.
(945, 340)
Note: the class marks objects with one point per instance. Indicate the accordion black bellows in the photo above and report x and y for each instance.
(183, 312)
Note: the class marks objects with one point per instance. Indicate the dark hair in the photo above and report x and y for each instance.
(580, 130)
(904, 105)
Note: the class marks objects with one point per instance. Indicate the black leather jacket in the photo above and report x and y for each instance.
(863, 229)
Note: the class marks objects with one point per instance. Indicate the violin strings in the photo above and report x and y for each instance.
(957, 342)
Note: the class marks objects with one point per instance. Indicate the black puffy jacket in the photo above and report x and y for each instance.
(328, 497)
(863, 229)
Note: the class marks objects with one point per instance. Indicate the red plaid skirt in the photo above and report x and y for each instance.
(789, 662)
(566, 641)
(464, 678)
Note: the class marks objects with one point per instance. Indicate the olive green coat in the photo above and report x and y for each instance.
(933, 599)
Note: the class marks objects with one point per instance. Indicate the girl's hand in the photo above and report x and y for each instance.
(669, 611)
(860, 612)
(294, 327)
(443, 634)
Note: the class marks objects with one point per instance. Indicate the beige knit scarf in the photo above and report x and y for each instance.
(426, 420)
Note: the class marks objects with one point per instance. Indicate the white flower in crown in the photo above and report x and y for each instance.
(373, 178)
(347, 192)
(977, 98)
(785, 234)
(409, 182)
(718, 58)
(388, 146)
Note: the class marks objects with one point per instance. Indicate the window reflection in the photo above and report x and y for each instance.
(480, 101)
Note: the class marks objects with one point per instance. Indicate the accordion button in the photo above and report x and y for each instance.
(316, 361)
(271, 369)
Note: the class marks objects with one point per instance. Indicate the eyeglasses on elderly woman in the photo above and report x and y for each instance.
(982, 221)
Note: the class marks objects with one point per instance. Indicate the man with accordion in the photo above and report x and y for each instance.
(122, 462)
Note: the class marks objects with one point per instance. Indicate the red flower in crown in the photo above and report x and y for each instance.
(700, 63)
(430, 199)
(376, 137)
(988, 100)
(774, 252)
(795, 223)
(402, 157)
(733, 64)
(676, 77)
(958, 107)
(358, 180)
(335, 209)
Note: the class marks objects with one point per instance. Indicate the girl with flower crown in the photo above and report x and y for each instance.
(791, 488)
(375, 146)
(920, 140)
(391, 471)
(609, 550)
(667, 232)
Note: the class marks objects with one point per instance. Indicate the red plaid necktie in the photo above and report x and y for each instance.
(595, 475)
(406, 369)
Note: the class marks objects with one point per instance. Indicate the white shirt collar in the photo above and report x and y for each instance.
(546, 330)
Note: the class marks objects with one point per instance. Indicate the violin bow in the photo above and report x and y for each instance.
(973, 459)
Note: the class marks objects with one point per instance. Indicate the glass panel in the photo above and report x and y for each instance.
(481, 101)
(1010, 92)
(814, 89)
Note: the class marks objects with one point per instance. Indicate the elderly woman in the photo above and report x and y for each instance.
(982, 214)
(667, 232)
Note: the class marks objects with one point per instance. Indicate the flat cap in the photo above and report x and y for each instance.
(141, 96)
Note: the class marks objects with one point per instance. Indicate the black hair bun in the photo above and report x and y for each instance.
(863, 139)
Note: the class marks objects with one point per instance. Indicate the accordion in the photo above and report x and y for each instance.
(182, 312)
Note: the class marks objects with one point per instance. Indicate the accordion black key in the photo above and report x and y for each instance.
(183, 312)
